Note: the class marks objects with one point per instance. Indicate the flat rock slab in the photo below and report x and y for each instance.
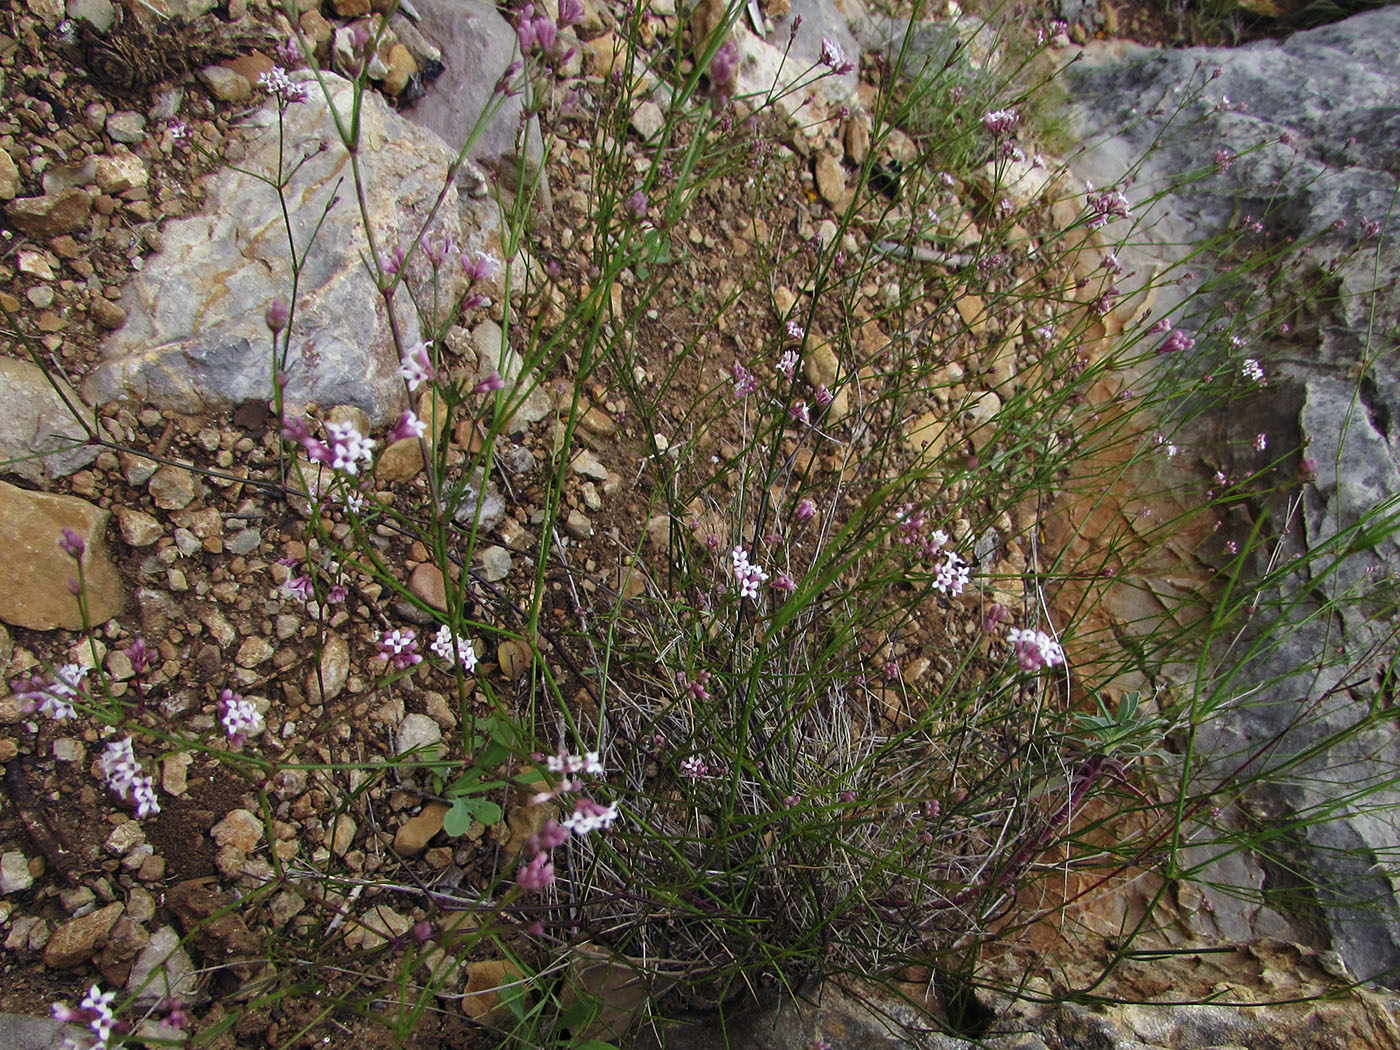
(35, 571)
(39, 1033)
(195, 339)
(39, 437)
(1300, 135)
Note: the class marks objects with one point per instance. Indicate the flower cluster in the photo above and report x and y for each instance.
(1035, 649)
(745, 382)
(276, 82)
(416, 367)
(911, 522)
(787, 364)
(126, 779)
(590, 816)
(347, 448)
(1000, 121)
(746, 574)
(1250, 370)
(1106, 206)
(834, 58)
(587, 815)
(952, 576)
(451, 648)
(51, 697)
(95, 1011)
(240, 718)
(399, 647)
(1178, 340)
(694, 768)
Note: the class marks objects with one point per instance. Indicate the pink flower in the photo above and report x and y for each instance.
(408, 426)
(745, 382)
(484, 268)
(491, 382)
(416, 367)
(1178, 340)
(72, 543)
(537, 874)
(275, 316)
(1035, 649)
(589, 816)
(723, 66)
(806, 510)
(1000, 121)
(399, 647)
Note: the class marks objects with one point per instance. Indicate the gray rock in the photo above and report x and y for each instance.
(495, 563)
(163, 969)
(416, 731)
(14, 872)
(476, 45)
(195, 339)
(97, 13)
(41, 1033)
(39, 436)
(1307, 127)
(126, 126)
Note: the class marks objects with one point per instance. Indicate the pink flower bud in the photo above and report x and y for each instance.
(72, 543)
(276, 315)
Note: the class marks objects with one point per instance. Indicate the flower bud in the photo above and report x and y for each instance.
(276, 316)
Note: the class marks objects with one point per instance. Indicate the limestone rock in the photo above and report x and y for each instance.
(172, 487)
(34, 419)
(831, 181)
(120, 172)
(9, 177)
(239, 829)
(416, 731)
(34, 576)
(334, 671)
(1311, 158)
(163, 969)
(476, 44)
(15, 876)
(195, 339)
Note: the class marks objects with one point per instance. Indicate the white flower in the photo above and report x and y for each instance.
(589, 816)
(1249, 369)
(125, 778)
(748, 576)
(416, 367)
(240, 717)
(568, 764)
(1035, 649)
(832, 56)
(787, 364)
(442, 644)
(952, 576)
(348, 447)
